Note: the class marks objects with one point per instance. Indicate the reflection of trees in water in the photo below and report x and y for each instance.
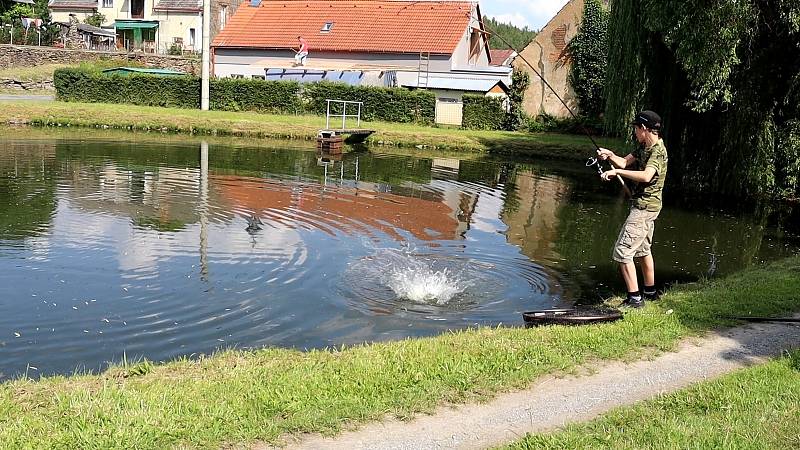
(684, 240)
(28, 174)
(533, 215)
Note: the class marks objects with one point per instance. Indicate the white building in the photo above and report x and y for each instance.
(436, 45)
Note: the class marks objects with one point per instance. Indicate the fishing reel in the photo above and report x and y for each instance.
(592, 161)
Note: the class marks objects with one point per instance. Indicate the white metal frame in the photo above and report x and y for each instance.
(344, 114)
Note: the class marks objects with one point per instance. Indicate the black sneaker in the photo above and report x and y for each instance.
(633, 302)
(651, 296)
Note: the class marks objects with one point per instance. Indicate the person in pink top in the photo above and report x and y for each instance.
(302, 53)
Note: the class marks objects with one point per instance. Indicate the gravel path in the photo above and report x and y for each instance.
(554, 402)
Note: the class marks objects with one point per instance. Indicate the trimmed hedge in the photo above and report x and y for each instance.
(76, 85)
(387, 104)
(483, 113)
(230, 94)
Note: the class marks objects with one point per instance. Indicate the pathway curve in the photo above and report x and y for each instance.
(554, 402)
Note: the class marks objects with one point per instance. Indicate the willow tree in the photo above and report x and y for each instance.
(725, 75)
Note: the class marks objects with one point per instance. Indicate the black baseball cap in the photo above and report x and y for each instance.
(648, 119)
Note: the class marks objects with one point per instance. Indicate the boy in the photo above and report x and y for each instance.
(647, 166)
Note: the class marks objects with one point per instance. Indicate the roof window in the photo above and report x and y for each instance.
(327, 27)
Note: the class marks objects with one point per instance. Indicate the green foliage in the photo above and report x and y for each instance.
(76, 85)
(569, 125)
(788, 150)
(43, 11)
(723, 75)
(386, 104)
(517, 119)
(95, 19)
(482, 113)
(519, 38)
(88, 84)
(588, 51)
(16, 12)
(175, 50)
(254, 95)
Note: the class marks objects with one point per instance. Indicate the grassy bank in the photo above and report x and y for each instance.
(239, 397)
(757, 407)
(252, 125)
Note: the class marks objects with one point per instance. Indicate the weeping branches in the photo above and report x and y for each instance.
(725, 75)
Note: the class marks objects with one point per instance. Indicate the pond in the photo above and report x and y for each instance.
(113, 249)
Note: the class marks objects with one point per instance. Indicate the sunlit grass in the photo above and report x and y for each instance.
(253, 125)
(757, 407)
(239, 397)
(35, 73)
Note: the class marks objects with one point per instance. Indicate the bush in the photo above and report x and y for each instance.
(483, 113)
(89, 84)
(76, 85)
(569, 125)
(387, 104)
(230, 94)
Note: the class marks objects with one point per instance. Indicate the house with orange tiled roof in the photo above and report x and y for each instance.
(433, 44)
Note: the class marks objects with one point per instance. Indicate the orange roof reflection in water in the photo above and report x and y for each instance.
(341, 209)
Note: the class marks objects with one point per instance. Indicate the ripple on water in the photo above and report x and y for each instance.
(438, 281)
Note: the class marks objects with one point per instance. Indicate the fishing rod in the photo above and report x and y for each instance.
(592, 161)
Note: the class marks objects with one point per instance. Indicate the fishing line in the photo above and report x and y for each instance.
(592, 161)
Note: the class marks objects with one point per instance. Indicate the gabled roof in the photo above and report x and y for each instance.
(388, 26)
(73, 4)
(178, 5)
(499, 57)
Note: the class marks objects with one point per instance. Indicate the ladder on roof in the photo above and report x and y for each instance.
(423, 72)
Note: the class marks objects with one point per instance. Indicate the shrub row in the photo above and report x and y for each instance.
(483, 113)
(387, 104)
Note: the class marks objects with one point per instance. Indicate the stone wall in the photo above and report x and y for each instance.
(546, 53)
(11, 84)
(30, 56)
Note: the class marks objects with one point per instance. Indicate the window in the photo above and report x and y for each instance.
(191, 36)
(327, 27)
(474, 46)
(259, 77)
(108, 3)
(137, 9)
(236, 75)
(223, 16)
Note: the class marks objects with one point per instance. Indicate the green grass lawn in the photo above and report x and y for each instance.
(253, 125)
(245, 396)
(757, 407)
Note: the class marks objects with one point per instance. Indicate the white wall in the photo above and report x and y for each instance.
(170, 24)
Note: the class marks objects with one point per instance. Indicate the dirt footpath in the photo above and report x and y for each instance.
(554, 402)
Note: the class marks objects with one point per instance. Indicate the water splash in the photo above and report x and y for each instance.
(425, 285)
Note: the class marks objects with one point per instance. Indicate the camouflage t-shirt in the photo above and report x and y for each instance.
(648, 195)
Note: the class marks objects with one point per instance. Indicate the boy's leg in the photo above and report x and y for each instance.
(628, 271)
(648, 270)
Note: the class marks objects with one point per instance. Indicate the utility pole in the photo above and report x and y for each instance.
(204, 84)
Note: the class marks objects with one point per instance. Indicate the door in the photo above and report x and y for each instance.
(448, 111)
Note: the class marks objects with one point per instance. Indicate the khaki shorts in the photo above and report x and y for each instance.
(636, 236)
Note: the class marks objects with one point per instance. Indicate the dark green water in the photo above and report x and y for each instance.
(154, 250)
